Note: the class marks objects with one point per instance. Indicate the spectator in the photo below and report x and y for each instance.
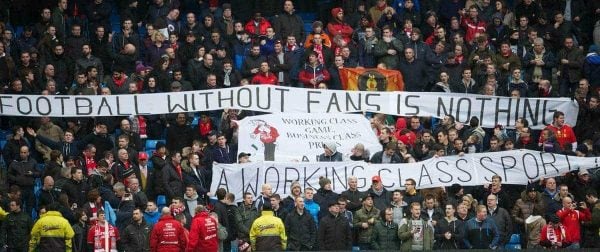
(267, 231)
(300, 228)
(501, 218)
(136, 235)
(415, 232)
(571, 215)
(103, 235)
(173, 176)
(570, 61)
(245, 215)
(449, 231)
(22, 172)
(45, 239)
(481, 232)
(203, 233)
(16, 227)
(553, 234)
(385, 232)
(334, 233)
(168, 234)
(365, 220)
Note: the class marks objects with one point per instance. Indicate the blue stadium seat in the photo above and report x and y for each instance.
(2, 143)
(161, 201)
(150, 164)
(308, 16)
(308, 27)
(195, 121)
(151, 143)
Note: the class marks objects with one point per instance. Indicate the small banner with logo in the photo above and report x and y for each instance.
(371, 79)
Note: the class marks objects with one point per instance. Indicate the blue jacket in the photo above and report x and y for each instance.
(151, 217)
(313, 208)
(481, 235)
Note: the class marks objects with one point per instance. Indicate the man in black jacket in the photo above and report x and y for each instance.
(136, 235)
(22, 172)
(16, 228)
(334, 231)
(300, 228)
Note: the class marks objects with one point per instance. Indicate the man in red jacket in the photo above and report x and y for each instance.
(571, 217)
(168, 235)
(203, 232)
(264, 76)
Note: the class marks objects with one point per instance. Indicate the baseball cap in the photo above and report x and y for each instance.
(376, 179)
(143, 156)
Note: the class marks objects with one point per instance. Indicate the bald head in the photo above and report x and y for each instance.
(48, 183)
(165, 211)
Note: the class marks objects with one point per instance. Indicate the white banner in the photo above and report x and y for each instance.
(300, 137)
(491, 110)
(515, 167)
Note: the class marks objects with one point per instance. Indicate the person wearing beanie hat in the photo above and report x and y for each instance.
(337, 26)
(455, 194)
(295, 192)
(553, 235)
(530, 203)
(365, 219)
(330, 153)
(324, 195)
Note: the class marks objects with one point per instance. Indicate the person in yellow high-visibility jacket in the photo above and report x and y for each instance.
(51, 232)
(268, 232)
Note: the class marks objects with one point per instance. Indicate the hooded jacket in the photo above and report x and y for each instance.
(203, 234)
(338, 27)
(51, 232)
(268, 233)
(168, 235)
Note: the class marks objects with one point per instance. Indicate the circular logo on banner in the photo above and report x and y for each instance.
(371, 80)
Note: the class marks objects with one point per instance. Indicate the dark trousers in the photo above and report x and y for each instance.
(270, 151)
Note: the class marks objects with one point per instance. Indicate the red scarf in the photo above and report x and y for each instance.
(319, 50)
(119, 82)
(178, 169)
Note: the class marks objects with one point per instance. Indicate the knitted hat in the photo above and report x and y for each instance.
(335, 11)
(324, 181)
(331, 146)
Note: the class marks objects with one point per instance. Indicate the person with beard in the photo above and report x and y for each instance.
(61, 71)
(251, 64)
(136, 235)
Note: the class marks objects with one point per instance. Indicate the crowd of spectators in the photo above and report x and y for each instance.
(143, 182)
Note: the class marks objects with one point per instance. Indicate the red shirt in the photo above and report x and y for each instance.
(564, 134)
(265, 78)
(571, 219)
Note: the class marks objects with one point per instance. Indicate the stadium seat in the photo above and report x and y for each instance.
(308, 16)
(161, 201)
(151, 143)
(308, 27)
(195, 121)
(514, 243)
(150, 164)
(2, 143)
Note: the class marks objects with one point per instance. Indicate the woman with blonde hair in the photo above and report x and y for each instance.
(158, 47)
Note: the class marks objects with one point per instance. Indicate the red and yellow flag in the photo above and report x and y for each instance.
(371, 79)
